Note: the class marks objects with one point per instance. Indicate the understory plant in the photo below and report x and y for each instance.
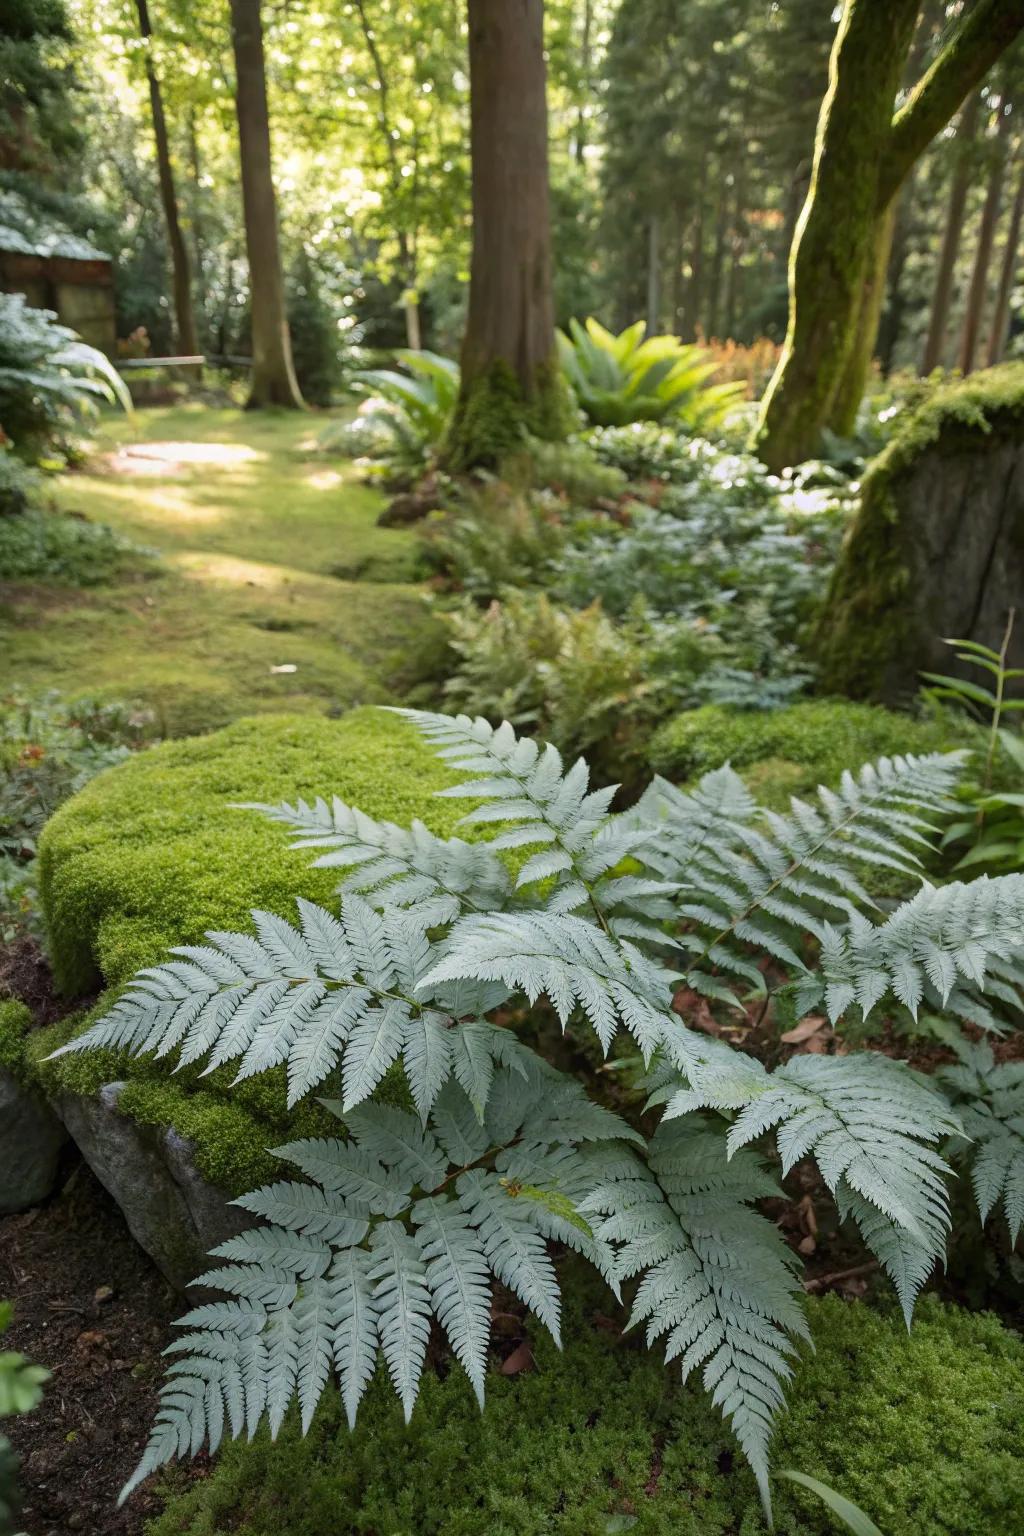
(21, 1388)
(636, 377)
(462, 1153)
(405, 416)
(48, 378)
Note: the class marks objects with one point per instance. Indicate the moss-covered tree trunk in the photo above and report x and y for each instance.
(273, 372)
(510, 375)
(863, 152)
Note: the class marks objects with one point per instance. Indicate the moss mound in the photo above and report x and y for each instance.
(923, 1431)
(790, 751)
(15, 1021)
(151, 854)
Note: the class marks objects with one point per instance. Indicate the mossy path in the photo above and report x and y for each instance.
(275, 589)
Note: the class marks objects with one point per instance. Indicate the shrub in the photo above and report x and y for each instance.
(49, 547)
(316, 338)
(409, 411)
(47, 377)
(595, 1434)
(496, 536)
(19, 486)
(625, 378)
(789, 751)
(49, 748)
(428, 963)
(575, 676)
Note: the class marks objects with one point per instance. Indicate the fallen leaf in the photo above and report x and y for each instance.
(521, 1359)
(286, 666)
(804, 1030)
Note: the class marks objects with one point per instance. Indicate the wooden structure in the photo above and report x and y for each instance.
(57, 270)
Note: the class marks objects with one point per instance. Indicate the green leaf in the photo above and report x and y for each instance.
(852, 1516)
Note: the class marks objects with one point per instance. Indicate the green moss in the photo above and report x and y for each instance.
(15, 1019)
(150, 854)
(493, 416)
(866, 621)
(790, 751)
(924, 1431)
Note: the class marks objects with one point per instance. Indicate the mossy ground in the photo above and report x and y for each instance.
(270, 557)
(924, 1431)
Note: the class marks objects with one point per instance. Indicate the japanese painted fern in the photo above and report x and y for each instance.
(408, 1216)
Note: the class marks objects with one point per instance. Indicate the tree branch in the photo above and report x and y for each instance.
(982, 36)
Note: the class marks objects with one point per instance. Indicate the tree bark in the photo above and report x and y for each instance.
(862, 155)
(935, 341)
(181, 276)
(653, 275)
(273, 373)
(1011, 255)
(891, 324)
(983, 253)
(585, 67)
(510, 377)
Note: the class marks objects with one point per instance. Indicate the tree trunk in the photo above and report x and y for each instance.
(184, 316)
(273, 373)
(585, 67)
(510, 376)
(718, 261)
(842, 416)
(891, 324)
(938, 322)
(862, 155)
(997, 338)
(653, 275)
(983, 254)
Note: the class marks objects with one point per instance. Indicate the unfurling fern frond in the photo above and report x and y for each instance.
(434, 878)
(390, 1235)
(989, 1098)
(871, 1127)
(718, 1280)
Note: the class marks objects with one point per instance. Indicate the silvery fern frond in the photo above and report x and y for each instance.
(939, 944)
(573, 961)
(433, 877)
(772, 882)
(385, 1234)
(989, 1098)
(334, 992)
(539, 803)
(872, 1128)
(718, 1281)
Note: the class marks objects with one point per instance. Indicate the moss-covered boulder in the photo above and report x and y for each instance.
(937, 548)
(923, 1431)
(151, 854)
(785, 752)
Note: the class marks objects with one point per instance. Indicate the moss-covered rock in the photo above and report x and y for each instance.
(937, 548)
(923, 1431)
(151, 854)
(790, 751)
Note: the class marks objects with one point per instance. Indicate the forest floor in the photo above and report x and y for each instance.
(274, 588)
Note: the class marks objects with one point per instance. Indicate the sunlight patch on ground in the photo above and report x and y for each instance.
(230, 570)
(324, 479)
(174, 458)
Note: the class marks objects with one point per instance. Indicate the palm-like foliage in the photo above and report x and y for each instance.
(411, 409)
(48, 376)
(624, 378)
